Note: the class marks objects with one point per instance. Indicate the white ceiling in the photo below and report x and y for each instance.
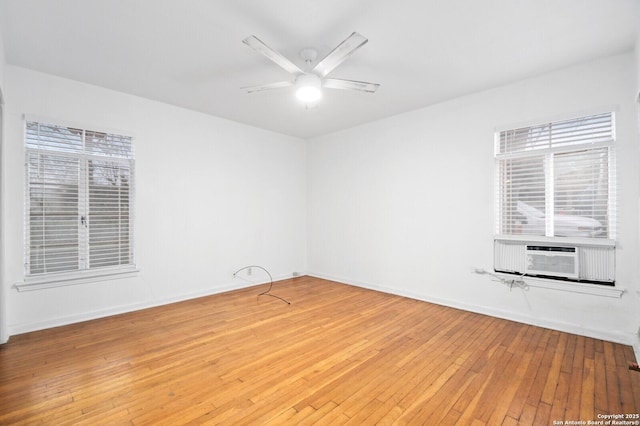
(189, 52)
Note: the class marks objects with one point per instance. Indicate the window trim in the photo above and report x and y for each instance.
(80, 276)
(612, 192)
(64, 279)
(568, 286)
(556, 117)
(577, 241)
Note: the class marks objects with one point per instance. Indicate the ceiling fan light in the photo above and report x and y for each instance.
(308, 88)
(309, 94)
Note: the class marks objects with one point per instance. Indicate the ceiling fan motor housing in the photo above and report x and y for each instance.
(309, 55)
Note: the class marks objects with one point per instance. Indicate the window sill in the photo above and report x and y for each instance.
(597, 290)
(571, 241)
(67, 279)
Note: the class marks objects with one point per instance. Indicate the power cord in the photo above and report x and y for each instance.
(268, 291)
(511, 282)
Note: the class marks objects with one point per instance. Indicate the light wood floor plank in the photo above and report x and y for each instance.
(337, 355)
(551, 383)
(560, 397)
(532, 338)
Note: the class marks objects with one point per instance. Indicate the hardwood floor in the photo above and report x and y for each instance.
(337, 355)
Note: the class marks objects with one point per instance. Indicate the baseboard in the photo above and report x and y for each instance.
(15, 329)
(498, 313)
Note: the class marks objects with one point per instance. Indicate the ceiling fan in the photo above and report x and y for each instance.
(309, 82)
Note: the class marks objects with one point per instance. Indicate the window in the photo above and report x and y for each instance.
(79, 195)
(556, 179)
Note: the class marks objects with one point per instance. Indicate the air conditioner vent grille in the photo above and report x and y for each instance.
(594, 264)
(552, 261)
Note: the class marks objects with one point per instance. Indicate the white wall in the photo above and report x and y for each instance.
(4, 334)
(637, 67)
(211, 196)
(637, 98)
(2, 58)
(406, 204)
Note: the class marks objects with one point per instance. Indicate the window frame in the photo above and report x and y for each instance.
(548, 155)
(85, 273)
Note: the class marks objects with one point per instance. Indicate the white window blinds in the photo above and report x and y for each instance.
(79, 199)
(556, 179)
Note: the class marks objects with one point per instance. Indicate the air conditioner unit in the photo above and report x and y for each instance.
(552, 261)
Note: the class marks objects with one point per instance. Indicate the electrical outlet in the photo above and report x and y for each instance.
(249, 271)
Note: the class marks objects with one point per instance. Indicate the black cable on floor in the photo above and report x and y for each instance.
(268, 291)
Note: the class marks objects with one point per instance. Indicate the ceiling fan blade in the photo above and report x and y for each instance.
(340, 54)
(258, 45)
(270, 86)
(361, 86)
